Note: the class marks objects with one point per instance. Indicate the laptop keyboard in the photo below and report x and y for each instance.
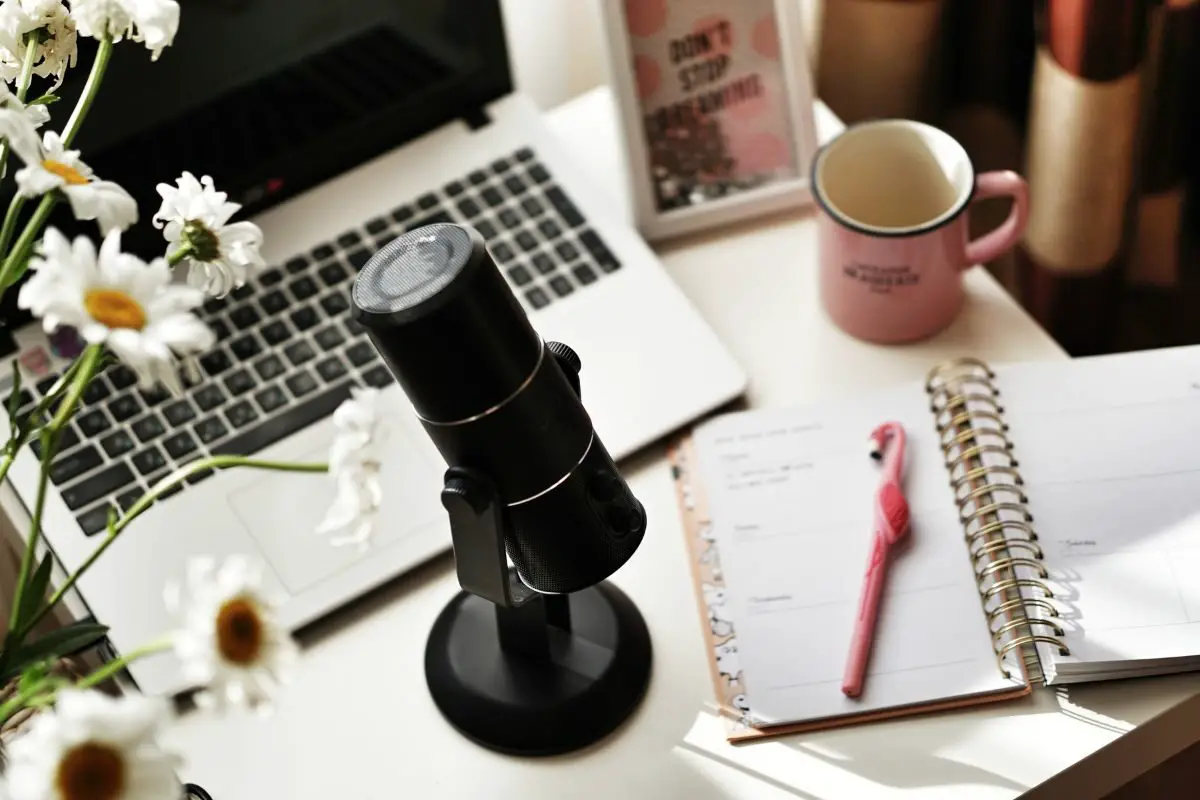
(288, 351)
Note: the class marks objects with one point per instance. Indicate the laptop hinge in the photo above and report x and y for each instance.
(477, 118)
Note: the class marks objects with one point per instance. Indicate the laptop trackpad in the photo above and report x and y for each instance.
(281, 510)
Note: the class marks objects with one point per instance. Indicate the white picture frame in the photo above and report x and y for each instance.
(710, 201)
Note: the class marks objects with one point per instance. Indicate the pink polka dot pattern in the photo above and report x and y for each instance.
(765, 38)
(758, 152)
(709, 25)
(648, 75)
(645, 17)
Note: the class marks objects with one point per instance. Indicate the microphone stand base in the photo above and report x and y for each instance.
(554, 675)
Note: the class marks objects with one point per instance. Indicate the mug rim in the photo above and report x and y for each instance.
(943, 219)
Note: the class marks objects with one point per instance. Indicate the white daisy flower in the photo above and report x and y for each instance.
(152, 22)
(119, 300)
(51, 167)
(230, 643)
(223, 255)
(36, 114)
(94, 746)
(355, 465)
(58, 48)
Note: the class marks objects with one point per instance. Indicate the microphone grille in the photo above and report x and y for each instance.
(412, 268)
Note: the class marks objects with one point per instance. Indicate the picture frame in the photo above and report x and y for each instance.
(715, 104)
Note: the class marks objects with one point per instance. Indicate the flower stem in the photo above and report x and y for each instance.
(117, 664)
(9, 273)
(51, 435)
(90, 90)
(156, 491)
(32, 46)
(179, 255)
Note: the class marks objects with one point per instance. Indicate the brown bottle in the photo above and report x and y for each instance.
(1080, 157)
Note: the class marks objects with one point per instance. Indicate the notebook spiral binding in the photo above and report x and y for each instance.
(993, 508)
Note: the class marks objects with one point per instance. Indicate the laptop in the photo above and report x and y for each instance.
(339, 126)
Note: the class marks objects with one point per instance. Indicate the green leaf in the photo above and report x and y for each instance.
(56, 644)
(35, 591)
(45, 100)
(14, 400)
(35, 674)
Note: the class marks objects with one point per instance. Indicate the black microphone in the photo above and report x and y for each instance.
(496, 399)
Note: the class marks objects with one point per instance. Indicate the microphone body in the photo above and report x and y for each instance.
(495, 398)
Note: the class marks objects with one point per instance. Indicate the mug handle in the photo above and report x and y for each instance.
(1003, 183)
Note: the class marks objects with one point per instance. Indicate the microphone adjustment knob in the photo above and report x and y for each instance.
(569, 361)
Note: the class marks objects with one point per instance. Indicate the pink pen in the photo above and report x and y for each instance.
(891, 525)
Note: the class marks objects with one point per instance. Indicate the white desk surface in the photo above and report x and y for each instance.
(357, 721)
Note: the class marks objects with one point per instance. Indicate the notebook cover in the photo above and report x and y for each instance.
(721, 637)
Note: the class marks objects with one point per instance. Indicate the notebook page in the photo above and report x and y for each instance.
(791, 496)
(1109, 449)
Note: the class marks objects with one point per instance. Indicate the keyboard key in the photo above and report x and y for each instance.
(220, 329)
(334, 303)
(244, 317)
(304, 318)
(402, 214)
(149, 460)
(468, 208)
(242, 292)
(246, 347)
(23, 399)
(209, 397)
(303, 288)
(197, 477)
(584, 274)
(240, 382)
(427, 201)
(520, 276)
(300, 263)
(359, 258)
(331, 369)
(509, 218)
(296, 417)
(384, 239)
(121, 376)
(537, 298)
(491, 195)
(538, 173)
(93, 423)
(349, 239)
(561, 286)
(376, 226)
(353, 326)
(46, 384)
(269, 367)
(544, 264)
(94, 520)
(322, 252)
(301, 384)
(532, 207)
(127, 498)
(275, 332)
(154, 396)
(214, 304)
(299, 352)
(149, 427)
(179, 445)
(566, 251)
(215, 362)
(564, 206)
(271, 399)
(514, 184)
(122, 408)
(432, 219)
(72, 465)
(600, 252)
(550, 229)
(379, 377)
(211, 429)
(329, 337)
(174, 490)
(333, 274)
(117, 444)
(486, 229)
(503, 253)
(179, 413)
(273, 302)
(270, 277)
(67, 439)
(526, 241)
(453, 188)
(477, 177)
(524, 154)
(96, 391)
(361, 353)
(105, 482)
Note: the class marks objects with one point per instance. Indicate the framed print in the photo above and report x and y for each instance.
(716, 107)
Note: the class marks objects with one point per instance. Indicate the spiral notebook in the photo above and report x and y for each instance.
(1055, 539)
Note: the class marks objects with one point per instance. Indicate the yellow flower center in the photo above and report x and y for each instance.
(91, 771)
(239, 631)
(115, 309)
(69, 174)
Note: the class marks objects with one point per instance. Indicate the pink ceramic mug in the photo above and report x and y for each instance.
(892, 197)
